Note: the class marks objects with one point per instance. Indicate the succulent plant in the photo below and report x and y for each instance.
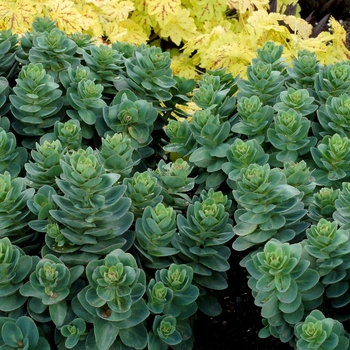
(330, 246)
(113, 301)
(54, 50)
(289, 135)
(334, 116)
(118, 154)
(262, 81)
(8, 49)
(215, 90)
(299, 100)
(332, 160)
(332, 80)
(21, 333)
(267, 207)
(12, 158)
(14, 211)
(149, 74)
(254, 118)
(107, 63)
(319, 332)
(130, 115)
(284, 286)
(299, 175)
(342, 206)
(303, 70)
(323, 204)
(175, 180)
(15, 266)
(74, 332)
(49, 287)
(179, 279)
(164, 333)
(92, 212)
(272, 54)
(86, 100)
(212, 136)
(201, 240)
(36, 103)
(44, 166)
(143, 190)
(154, 234)
(69, 134)
(181, 140)
(240, 155)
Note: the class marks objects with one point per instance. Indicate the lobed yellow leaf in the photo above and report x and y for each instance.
(207, 10)
(164, 10)
(298, 25)
(243, 6)
(183, 66)
(17, 15)
(67, 16)
(126, 31)
(180, 27)
(116, 10)
(144, 20)
(90, 20)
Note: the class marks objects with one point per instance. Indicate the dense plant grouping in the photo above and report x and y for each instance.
(208, 34)
(123, 186)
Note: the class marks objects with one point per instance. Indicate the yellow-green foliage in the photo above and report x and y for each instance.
(221, 33)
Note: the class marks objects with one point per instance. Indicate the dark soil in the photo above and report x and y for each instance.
(238, 325)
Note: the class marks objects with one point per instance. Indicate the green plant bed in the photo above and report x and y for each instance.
(122, 188)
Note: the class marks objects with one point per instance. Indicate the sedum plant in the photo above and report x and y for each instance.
(44, 166)
(212, 135)
(332, 81)
(118, 154)
(342, 204)
(303, 70)
(289, 135)
(323, 204)
(21, 333)
(201, 240)
(113, 301)
(332, 159)
(284, 285)
(54, 50)
(15, 214)
(330, 246)
(12, 157)
(334, 116)
(15, 266)
(267, 207)
(319, 332)
(91, 211)
(36, 103)
(240, 155)
(155, 231)
(262, 81)
(299, 175)
(299, 100)
(49, 287)
(143, 190)
(254, 118)
(132, 116)
(175, 180)
(148, 73)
